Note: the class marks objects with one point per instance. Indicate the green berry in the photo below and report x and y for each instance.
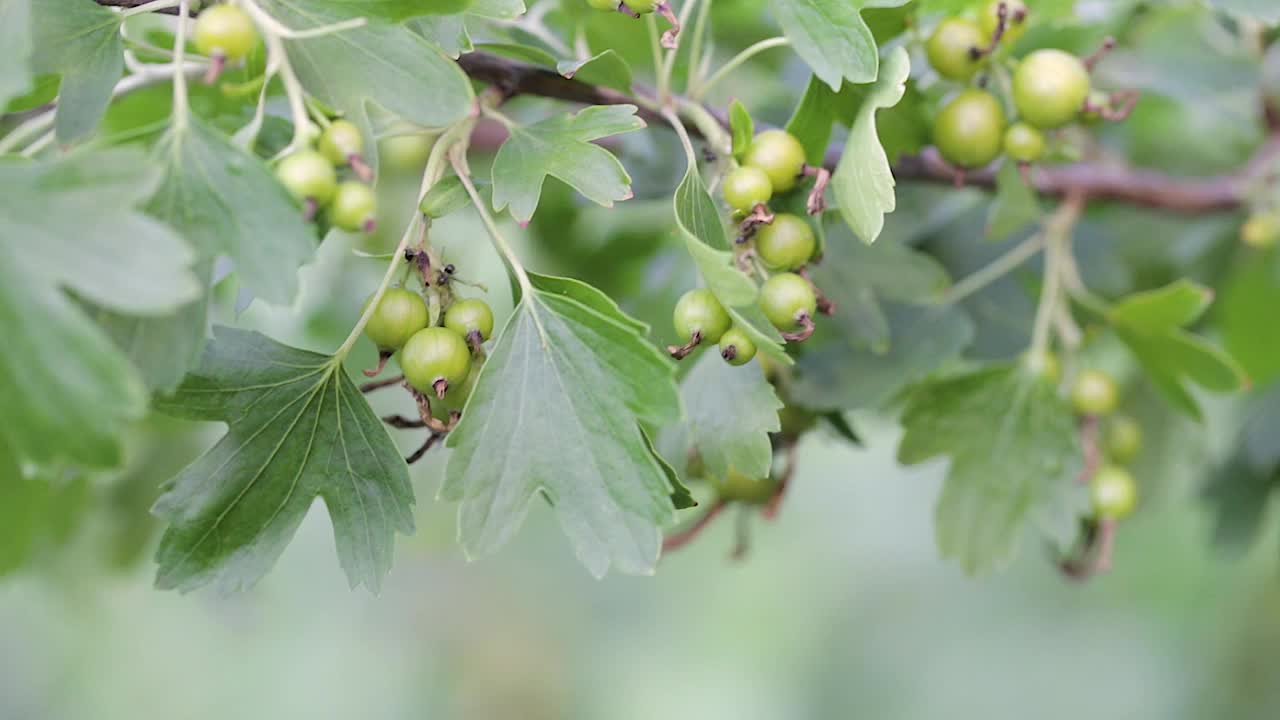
(1049, 88)
(1123, 439)
(1015, 22)
(400, 314)
(1113, 492)
(1094, 393)
(434, 354)
(455, 398)
(780, 155)
(644, 7)
(699, 311)
(737, 487)
(950, 48)
(225, 31)
(354, 207)
(611, 5)
(1044, 366)
(969, 129)
(745, 187)
(794, 421)
(340, 141)
(736, 347)
(405, 150)
(307, 175)
(1023, 142)
(1261, 230)
(787, 243)
(467, 316)
(785, 298)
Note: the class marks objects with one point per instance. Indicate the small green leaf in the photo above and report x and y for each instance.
(863, 181)
(1015, 206)
(812, 120)
(1245, 316)
(742, 129)
(444, 197)
(70, 227)
(561, 147)
(729, 413)
(832, 37)
(681, 497)
(557, 411)
(1151, 323)
(80, 40)
(1014, 457)
(523, 53)
(297, 429)
(15, 38)
(605, 68)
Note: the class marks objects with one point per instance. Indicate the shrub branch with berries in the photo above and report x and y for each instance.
(288, 218)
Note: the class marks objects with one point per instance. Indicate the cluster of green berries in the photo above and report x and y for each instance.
(639, 8)
(1112, 490)
(311, 176)
(787, 300)
(225, 34)
(1051, 88)
(773, 163)
(434, 359)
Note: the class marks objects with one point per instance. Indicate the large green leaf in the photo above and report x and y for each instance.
(812, 119)
(832, 37)
(561, 147)
(15, 38)
(1244, 313)
(297, 429)
(557, 411)
(1151, 324)
(80, 40)
(449, 32)
(729, 413)
(1014, 458)
(69, 227)
(863, 181)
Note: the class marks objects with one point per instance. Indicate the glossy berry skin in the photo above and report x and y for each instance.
(643, 7)
(399, 315)
(1049, 88)
(1094, 393)
(969, 130)
(1044, 366)
(407, 151)
(455, 398)
(745, 187)
(950, 48)
(225, 31)
(307, 175)
(434, 354)
(340, 141)
(787, 243)
(353, 207)
(604, 4)
(780, 155)
(1113, 492)
(737, 487)
(467, 316)
(736, 347)
(1023, 142)
(1015, 23)
(699, 311)
(1261, 230)
(1123, 439)
(785, 298)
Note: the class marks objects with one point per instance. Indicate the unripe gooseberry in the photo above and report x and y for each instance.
(340, 141)
(698, 311)
(1023, 142)
(354, 207)
(433, 355)
(745, 187)
(779, 154)
(1094, 393)
(400, 314)
(1261, 230)
(225, 31)
(951, 48)
(787, 298)
(472, 315)
(969, 129)
(1015, 18)
(787, 243)
(736, 347)
(1113, 492)
(1123, 439)
(307, 175)
(1049, 88)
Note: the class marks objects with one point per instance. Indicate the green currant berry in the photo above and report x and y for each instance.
(795, 421)
(470, 316)
(736, 347)
(969, 129)
(400, 314)
(786, 243)
(737, 487)
(780, 155)
(950, 48)
(225, 31)
(1023, 142)
(434, 354)
(1261, 230)
(610, 5)
(1049, 88)
(745, 187)
(699, 311)
(405, 149)
(307, 175)
(1044, 366)
(1094, 393)
(1015, 19)
(340, 141)
(1113, 492)
(354, 207)
(644, 7)
(1123, 440)
(785, 298)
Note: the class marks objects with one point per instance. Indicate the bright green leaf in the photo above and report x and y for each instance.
(741, 128)
(1015, 206)
(297, 429)
(605, 68)
(812, 120)
(557, 411)
(729, 413)
(1245, 314)
(831, 36)
(561, 147)
(863, 182)
(444, 197)
(80, 40)
(69, 226)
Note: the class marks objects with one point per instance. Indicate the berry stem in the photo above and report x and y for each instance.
(681, 352)
(1002, 22)
(458, 158)
(806, 329)
(993, 270)
(429, 443)
(383, 357)
(1108, 44)
(683, 537)
(817, 202)
(697, 66)
(181, 108)
(655, 46)
(379, 384)
(669, 37)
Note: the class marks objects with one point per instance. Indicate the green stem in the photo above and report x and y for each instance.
(151, 7)
(669, 62)
(746, 54)
(181, 108)
(458, 158)
(655, 45)
(993, 270)
(711, 129)
(695, 48)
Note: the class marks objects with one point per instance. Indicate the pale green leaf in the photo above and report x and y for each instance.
(729, 413)
(832, 37)
(605, 68)
(863, 181)
(69, 226)
(1015, 206)
(80, 40)
(561, 147)
(742, 129)
(15, 38)
(297, 430)
(1265, 11)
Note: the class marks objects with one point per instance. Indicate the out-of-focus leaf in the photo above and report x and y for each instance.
(80, 40)
(1015, 206)
(15, 38)
(1246, 315)
(832, 37)
(729, 413)
(604, 68)
(811, 122)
